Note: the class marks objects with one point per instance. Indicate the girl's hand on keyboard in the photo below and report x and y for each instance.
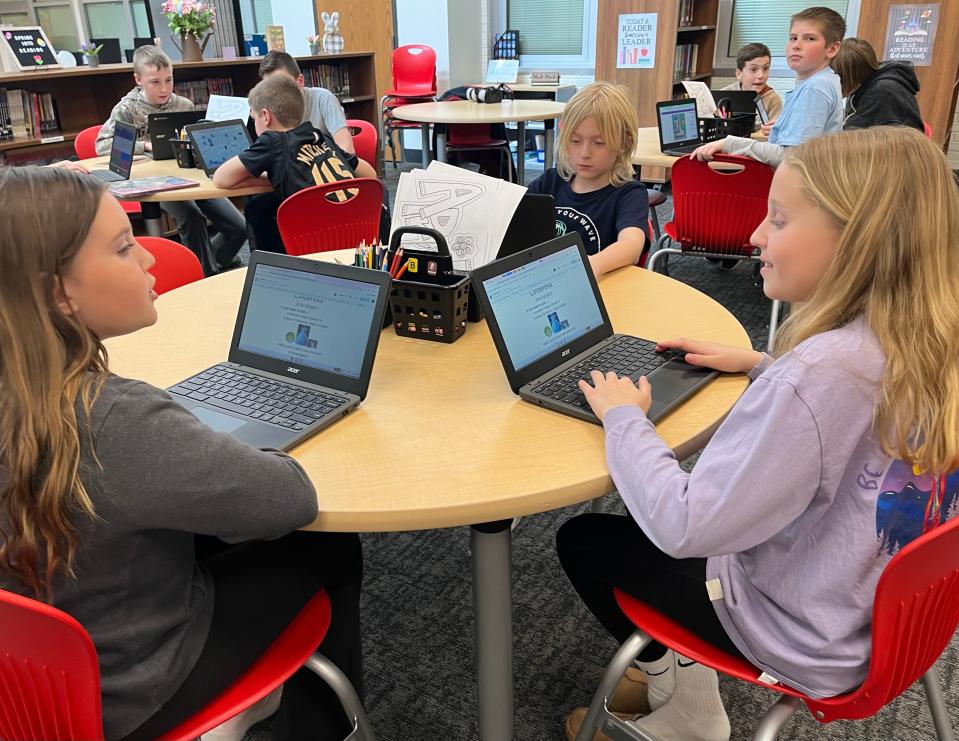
(611, 391)
(724, 358)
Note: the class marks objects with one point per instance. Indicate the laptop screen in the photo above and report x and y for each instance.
(121, 153)
(677, 122)
(543, 305)
(319, 321)
(218, 143)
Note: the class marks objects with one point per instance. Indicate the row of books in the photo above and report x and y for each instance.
(26, 114)
(684, 64)
(334, 77)
(686, 9)
(199, 91)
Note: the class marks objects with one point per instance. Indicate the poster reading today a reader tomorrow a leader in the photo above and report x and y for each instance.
(636, 41)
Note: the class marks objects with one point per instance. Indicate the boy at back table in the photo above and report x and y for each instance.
(752, 73)
(153, 73)
(292, 155)
(814, 106)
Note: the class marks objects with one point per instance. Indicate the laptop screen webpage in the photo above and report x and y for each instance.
(678, 123)
(218, 143)
(543, 305)
(319, 321)
(121, 153)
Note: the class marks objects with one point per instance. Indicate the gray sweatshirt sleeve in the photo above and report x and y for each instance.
(771, 154)
(167, 470)
(735, 498)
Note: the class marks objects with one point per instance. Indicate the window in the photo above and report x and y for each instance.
(743, 22)
(60, 25)
(109, 21)
(559, 34)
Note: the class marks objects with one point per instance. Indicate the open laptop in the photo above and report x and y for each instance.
(534, 221)
(216, 142)
(678, 127)
(550, 328)
(121, 154)
(302, 351)
(742, 101)
(164, 127)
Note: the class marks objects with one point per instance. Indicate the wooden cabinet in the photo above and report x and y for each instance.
(84, 97)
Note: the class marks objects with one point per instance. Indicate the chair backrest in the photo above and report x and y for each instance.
(914, 616)
(927, 129)
(717, 211)
(414, 70)
(175, 264)
(310, 221)
(85, 143)
(365, 139)
(49, 675)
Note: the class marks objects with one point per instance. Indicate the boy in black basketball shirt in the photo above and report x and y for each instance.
(292, 155)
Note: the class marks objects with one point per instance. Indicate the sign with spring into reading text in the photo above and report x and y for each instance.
(30, 47)
(636, 41)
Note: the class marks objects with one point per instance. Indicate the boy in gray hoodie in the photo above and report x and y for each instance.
(153, 73)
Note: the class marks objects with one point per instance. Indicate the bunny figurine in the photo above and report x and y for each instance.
(332, 38)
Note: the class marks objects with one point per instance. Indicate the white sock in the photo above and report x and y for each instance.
(660, 679)
(695, 711)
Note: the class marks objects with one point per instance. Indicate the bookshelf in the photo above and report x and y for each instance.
(83, 97)
(685, 47)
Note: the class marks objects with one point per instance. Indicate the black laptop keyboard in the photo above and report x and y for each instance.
(625, 356)
(256, 397)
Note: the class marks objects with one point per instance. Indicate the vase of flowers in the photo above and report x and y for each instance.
(91, 53)
(315, 44)
(193, 21)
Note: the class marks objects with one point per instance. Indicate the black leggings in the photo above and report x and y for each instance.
(260, 586)
(599, 552)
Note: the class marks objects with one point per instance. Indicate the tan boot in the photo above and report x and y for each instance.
(630, 694)
(575, 719)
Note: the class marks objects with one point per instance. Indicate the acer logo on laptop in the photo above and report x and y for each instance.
(291, 369)
(565, 353)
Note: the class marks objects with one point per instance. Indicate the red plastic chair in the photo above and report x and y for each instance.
(317, 220)
(915, 614)
(476, 137)
(365, 139)
(927, 129)
(175, 264)
(716, 211)
(85, 147)
(51, 679)
(413, 71)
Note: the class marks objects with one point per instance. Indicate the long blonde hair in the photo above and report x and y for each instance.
(892, 194)
(48, 362)
(615, 117)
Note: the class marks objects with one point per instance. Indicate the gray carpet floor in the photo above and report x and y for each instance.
(418, 626)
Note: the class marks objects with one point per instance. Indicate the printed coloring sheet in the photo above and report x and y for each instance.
(471, 211)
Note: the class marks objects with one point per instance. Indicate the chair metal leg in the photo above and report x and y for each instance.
(352, 706)
(654, 258)
(773, 324)
(937, 705)
(596, 505)
(776, 717)
(616, 669)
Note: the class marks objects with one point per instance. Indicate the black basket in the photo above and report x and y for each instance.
(432, 306)
(738, 124)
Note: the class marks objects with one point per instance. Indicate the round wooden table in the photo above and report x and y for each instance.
(469, 112)
(441, 440)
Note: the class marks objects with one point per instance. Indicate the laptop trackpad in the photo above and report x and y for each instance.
(219, 422)
(674, 382)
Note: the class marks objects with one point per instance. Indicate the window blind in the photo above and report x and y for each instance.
(768, 23)
(262, 14)
(547, 26)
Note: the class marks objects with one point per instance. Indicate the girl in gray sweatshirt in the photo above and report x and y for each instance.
(839, 453)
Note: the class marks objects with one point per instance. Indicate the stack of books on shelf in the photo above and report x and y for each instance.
(199, 91)
(334, 77)
(26, 114)
(684, 65)
(686, 8)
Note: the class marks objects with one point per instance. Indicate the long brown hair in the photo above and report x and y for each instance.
(897, 264)
(49, 361)
(855, 63)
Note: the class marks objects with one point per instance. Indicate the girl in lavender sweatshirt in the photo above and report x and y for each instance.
(835, 457)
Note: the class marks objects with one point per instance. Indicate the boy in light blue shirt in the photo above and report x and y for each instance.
(814, 106)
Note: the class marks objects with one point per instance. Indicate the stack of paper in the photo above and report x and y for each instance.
(471, 211)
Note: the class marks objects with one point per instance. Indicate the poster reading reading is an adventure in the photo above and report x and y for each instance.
(911, 33)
